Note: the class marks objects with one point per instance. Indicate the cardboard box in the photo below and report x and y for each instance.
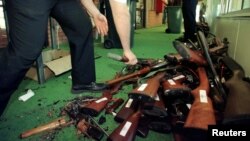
(55, 62)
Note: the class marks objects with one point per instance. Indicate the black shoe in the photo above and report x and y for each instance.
(167, 30)
(182, 39)
(92, 87)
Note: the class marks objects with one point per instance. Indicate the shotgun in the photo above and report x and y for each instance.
(148, 91)
(237, 110)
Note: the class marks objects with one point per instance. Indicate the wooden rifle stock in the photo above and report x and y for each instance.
(60, 122)
(148, 91)
(127, 110)
(201, 113)
(238, 98)
(126, 131)
(95, 107)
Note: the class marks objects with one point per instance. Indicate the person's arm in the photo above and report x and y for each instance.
(99, 19)
(122, 22)
(165, 2)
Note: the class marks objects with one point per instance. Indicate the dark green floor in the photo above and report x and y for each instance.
(55, 93)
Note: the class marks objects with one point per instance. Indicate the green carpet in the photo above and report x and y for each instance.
(50, 97)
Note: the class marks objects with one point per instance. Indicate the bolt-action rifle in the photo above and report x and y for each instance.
(204, 45)
(201, 113)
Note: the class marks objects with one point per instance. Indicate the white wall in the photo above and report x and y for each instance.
(237, 30)
(2, 23)
(212, 12)
(235, 27)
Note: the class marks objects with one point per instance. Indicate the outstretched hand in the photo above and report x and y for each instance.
(131, 57)
(101, 24)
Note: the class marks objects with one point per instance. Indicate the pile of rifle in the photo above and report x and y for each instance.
(182, 94)
(185, 94)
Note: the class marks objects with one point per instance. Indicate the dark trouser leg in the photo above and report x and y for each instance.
(27, 21)
(189, 12)
(77, 26)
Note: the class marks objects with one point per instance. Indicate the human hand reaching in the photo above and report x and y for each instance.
(132, 60)
(101, 24)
